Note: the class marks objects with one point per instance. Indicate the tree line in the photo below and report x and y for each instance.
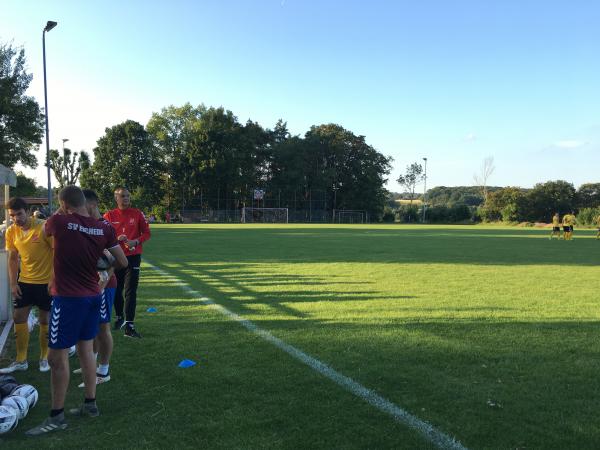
(467, 204)
(199, 157)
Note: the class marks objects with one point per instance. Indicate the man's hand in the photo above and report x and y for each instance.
(16, 291)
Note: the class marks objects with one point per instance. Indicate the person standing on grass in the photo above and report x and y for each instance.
(566, 227)
(103, 343)
(26, 241)
(79, 241)
(132, 229)
(555, 226)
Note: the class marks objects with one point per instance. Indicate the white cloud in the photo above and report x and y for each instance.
(470, 137)
(570, 144)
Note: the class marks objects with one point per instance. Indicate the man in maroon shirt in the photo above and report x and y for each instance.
(132, 229)
(79, 240)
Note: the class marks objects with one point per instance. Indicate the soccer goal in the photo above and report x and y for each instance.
(264, 215)
(349, 216)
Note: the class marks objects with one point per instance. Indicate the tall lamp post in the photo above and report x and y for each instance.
(49, 25)
(424, 189)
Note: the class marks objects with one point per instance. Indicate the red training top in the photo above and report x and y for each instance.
(132, 223)
(78, 243)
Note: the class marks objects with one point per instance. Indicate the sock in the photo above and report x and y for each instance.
(43, 341)
(22, 338)
(89, 400)
(56, 412)
(103, 369)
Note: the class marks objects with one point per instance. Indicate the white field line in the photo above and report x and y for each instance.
(431, 434)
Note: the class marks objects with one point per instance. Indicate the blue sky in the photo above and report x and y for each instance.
(453, 81)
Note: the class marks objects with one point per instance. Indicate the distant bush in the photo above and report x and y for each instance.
(408, 214)
(389, 215)
(587, 216)
(459, 213)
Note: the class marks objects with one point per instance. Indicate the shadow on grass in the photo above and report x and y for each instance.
(542, 374)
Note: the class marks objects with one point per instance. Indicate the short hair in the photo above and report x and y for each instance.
(72, 196)
(16, 203)
(90, 195)
(121, 189)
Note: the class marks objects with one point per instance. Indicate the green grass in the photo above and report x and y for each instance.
(440, 320)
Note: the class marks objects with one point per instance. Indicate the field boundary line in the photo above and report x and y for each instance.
(426, 430)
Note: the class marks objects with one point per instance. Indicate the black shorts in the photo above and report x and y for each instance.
(556, 229)
(566, 229)
(33, 295)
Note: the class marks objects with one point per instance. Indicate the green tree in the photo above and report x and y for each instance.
(21, 121)
(547, 198)
(126, 156)
(175, 131)
(588, 195)
(509, 204)
(68, 166)
(25, 187)
(413, 175)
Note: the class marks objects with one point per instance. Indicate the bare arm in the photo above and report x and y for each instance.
(13, 272)
(120, 258)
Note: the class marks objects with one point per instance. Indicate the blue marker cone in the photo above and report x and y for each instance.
(186, 363)
(151, 310)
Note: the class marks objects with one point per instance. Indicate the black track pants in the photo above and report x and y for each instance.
(127, 282)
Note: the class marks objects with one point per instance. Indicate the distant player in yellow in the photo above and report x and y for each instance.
(598, 224)
(555, 226)
(568, 224)
(27, 243)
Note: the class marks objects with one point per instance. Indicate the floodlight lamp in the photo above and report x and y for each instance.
(49, 25)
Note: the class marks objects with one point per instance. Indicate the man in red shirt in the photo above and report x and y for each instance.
(132, 229)
(79, 240)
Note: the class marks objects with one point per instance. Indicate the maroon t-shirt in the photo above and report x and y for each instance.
(78, 243)
(112, 281)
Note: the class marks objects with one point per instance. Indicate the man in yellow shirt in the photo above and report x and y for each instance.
(555, 226)
(26, 241)
(568, 224)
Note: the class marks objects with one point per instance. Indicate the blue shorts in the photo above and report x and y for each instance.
(73, 319)
(108, 297)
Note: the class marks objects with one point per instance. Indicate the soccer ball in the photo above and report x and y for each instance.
(29, 392)
(17, 403)
(8, 419)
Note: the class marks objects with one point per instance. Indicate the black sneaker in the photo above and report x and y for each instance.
(119, 323)
(130, 332)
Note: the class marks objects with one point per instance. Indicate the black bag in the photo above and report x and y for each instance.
(8, 383)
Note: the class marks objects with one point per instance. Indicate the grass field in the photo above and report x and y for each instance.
(491, 335)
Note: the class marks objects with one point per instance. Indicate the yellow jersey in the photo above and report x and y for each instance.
(555, 221)
(598, 221)
(35, 251)
(566, 219)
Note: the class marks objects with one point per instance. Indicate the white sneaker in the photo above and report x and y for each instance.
(99, 380)
(77, 370)
(44, 366)
(14, 366)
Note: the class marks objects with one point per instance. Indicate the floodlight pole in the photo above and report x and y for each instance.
(424, 189)
(49, 25)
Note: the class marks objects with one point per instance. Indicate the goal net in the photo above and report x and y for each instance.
(264, 215)
(349, 216)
